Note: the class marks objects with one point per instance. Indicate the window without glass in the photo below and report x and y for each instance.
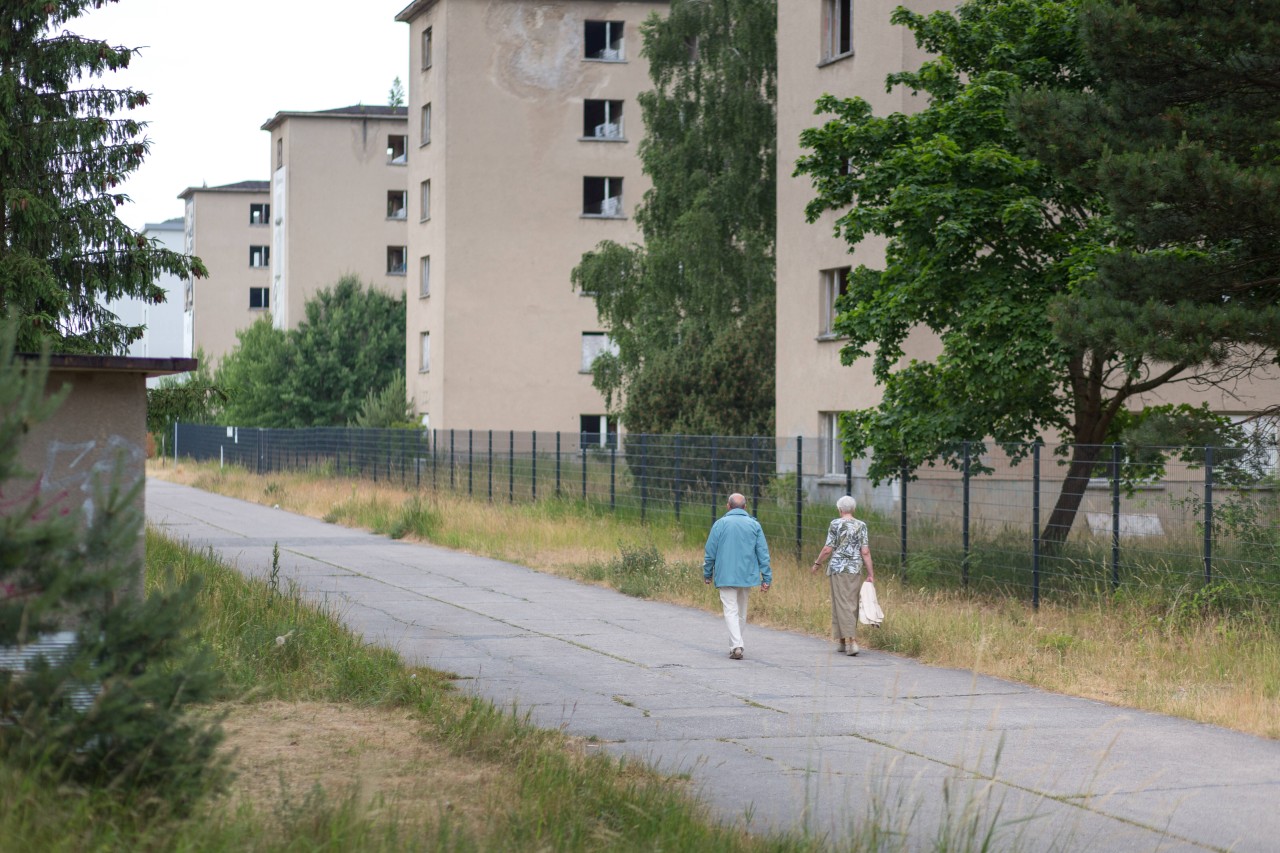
(395, 260)
(426, 48)
(426, 124)
(424, 282)
(594, 344)
(397, 149)
(829, 445)
(424, 348)
(397, 204)
(602, 119)
(259, 256)
(834, 284)
(425, 200)
(602, 196)
(259, 297)
(279, 153)
(597, 431)
(259, 214)
(604, 40)
(837, 28)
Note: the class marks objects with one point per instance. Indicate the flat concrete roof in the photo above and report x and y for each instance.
(116, 363)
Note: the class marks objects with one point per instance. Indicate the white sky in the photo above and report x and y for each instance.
(216, 70)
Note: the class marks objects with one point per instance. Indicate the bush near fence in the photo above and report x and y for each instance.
(1181, 522)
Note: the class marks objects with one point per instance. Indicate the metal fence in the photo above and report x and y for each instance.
(1154, 518)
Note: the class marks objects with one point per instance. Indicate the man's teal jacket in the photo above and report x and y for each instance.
(736, 554)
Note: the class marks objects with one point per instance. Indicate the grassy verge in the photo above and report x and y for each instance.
(1212, 656)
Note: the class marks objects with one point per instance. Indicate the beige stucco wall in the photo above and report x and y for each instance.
(506, 163)
(329, 209)
(221, 237)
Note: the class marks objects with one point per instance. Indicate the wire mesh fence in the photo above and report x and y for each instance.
(1030, 521)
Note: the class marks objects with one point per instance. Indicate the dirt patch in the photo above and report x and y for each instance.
(285, 750)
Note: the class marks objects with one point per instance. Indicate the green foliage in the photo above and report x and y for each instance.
(1179, 136)
(386, 408)
(691, 312)
(190, 397)
(395, 97)
(319, 373)
(63, 250)
(111, 713)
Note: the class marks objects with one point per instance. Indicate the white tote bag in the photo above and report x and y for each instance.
(869, 612)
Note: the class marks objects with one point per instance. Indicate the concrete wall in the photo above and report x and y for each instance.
(506, 161)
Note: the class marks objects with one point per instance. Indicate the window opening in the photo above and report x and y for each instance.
(602, 119)
(602, 196)
(604, 40)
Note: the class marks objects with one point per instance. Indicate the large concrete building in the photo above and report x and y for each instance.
(822, 48)
(228, 228)
(164, 326)
(339, 203)
(522, 156)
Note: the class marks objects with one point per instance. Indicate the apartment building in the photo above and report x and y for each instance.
(522, 156)
(164, 327)
(339, 203)
(227, 227)
(847, 49)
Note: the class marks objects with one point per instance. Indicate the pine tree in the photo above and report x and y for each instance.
(703, 282)
(63, 153)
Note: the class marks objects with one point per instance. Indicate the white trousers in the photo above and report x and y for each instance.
(734, 601)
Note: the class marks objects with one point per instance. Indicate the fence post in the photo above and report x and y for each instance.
(902, 520)
(511, 467)
(848, 477)
(713, 479)
(471, 455)
(435, 448)
(964, 563)
(799, 497)
(675, 480)
(175, 443)
(452, 462)
(1035, 525)
(583, 448)
(1208, 515)
(533, 455)
(1115, 516)
(755, 479)
(644, 493)
(490, 466)
(557, 463)
(613, 476)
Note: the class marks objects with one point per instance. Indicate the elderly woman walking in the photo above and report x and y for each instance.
(849, 553)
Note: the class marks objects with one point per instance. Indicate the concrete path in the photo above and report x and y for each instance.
(793, 738)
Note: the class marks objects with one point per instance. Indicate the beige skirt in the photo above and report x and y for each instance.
(845, 590)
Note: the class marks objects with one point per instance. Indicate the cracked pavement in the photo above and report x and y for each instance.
(795, 737)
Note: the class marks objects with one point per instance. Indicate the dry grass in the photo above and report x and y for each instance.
(1223, 670)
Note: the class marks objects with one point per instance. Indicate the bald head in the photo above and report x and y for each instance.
(737, 501)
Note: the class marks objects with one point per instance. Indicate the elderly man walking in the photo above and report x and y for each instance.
(737, 558)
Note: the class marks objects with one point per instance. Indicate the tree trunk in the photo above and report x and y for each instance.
(1083, 457)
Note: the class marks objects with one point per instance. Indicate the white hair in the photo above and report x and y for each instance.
(846, 504)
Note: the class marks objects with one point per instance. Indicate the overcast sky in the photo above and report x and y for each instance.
(216, 70)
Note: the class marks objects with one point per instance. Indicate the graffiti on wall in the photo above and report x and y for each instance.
(75, 470)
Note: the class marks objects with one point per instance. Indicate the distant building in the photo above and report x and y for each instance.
(339, 203)
(228, 228)
(522, 155)
(163, 324)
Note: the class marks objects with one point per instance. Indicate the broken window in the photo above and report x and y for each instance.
(597, 431)
(835, 283)
(424, 283)
(279, 152)
(424, 347)
(397, 204)
(425, 200)
(837, 28)
(604, 40)
(426, 48)
(259, 298)
(595, 344)
(259, 214)
(602, 119)
(395, 260)
(397, 149)
(830, 446)
(259, 256)
(426, 124)
(602, 196)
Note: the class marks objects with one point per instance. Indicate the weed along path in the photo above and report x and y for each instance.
(795, 738)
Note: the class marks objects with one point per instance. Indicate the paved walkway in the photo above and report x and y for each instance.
(794, 737)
